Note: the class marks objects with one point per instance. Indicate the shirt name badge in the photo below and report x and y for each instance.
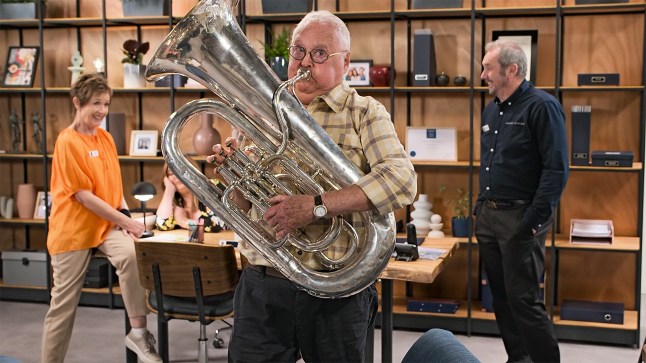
(94, 153)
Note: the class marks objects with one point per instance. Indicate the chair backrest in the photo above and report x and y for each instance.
(218, 267)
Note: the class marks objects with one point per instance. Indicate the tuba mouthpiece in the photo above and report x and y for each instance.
(304, 74)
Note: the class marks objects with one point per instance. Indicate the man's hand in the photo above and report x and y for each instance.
(222, 151)
(288, 213)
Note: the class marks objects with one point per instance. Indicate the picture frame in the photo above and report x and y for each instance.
(432, 143)
(358, 73)
(43, 206)
(143, 142)
(20, 68)
(528, 40)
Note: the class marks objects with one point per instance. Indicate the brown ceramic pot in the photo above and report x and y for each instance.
(206, 136)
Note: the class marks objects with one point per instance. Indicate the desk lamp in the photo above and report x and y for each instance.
(144, 191)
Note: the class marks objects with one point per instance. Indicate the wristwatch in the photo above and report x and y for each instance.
(320, 210)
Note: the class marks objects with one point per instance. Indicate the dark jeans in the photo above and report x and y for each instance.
(514, 260)
(275, 322)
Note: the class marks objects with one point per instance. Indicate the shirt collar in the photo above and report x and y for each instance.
(336, 98)
(524, 86)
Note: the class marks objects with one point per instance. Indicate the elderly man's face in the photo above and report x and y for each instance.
(325, 76)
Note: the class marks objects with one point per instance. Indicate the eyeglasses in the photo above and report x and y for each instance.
(317, 55)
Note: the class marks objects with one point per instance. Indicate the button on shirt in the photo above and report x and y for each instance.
(524, 151)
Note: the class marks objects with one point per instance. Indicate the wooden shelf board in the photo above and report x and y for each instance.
(141, 158)
(524, 11)
(603, 8)
(459, 164)
(601, 88)
(29, 221)
(2, 284)
(637, 166)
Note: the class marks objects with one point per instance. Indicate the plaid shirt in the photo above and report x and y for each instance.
(362, 128)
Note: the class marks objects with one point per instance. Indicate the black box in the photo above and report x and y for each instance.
(612, 158)
(594, 311)
(581, 135)
(436, 4)
(598, 79)
(97, 273)
(423, 58)
(286, 6)
(434, 306)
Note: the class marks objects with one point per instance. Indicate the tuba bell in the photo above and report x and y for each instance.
(291, 154)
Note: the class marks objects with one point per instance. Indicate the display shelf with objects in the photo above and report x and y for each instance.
(383, 32)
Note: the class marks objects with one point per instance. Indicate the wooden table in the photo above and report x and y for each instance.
(424, 271)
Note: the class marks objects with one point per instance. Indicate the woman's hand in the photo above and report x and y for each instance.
(169, 185)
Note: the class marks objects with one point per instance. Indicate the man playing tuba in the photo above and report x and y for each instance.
(275, 321)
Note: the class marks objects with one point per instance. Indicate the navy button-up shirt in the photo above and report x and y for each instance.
(524, 153)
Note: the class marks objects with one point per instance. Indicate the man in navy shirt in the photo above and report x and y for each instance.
(524, 168)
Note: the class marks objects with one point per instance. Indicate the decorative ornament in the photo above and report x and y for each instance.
(76, 69)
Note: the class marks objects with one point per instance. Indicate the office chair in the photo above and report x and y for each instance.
(187, 281)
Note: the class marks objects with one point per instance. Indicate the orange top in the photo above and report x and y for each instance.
(82, 162)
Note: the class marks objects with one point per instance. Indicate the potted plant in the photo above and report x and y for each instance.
(133, 67)
(461, 221)
(277, 54)
(21, 9)
(145, 7)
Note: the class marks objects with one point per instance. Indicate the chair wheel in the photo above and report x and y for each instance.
(218, 343)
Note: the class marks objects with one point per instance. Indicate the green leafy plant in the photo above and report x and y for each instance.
(460, 205)
(279, 47)
(134, 51)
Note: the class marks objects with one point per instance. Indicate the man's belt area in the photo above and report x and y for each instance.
(268, 270)
(505, 204)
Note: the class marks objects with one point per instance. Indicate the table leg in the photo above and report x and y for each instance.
(386, 321)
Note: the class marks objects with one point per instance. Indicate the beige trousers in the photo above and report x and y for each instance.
(68, 274)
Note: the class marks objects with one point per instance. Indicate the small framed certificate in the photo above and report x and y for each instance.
(432, 144)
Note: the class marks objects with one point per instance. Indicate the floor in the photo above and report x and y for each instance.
(98, 337)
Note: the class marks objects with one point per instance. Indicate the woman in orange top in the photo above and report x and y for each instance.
(89, 211)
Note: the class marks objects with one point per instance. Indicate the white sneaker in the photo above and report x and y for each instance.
(144, 347)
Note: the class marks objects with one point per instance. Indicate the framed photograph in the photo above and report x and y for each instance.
(43, 206)
(358, 73)
(20, 69)
(143, 143)
(528, 40)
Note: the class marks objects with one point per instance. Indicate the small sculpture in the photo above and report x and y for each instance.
(436, 227)
(6, 207)
(98, 65)
(76, 69)
(38, 130)
(16, 134)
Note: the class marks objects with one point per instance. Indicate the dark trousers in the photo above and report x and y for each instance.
(514, 260)
(276, 322)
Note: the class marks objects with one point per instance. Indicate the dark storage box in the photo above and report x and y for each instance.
(594, 311)
(436, 4)
(612, 158)
(26, 268)
(144, 7)
(97, 273)
(286, 6)
(434, 306)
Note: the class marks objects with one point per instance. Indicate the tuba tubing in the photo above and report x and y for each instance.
(208, 46)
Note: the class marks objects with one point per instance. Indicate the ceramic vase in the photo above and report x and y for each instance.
(380, 75)
(206, 136)
(279, 66)
(421, 216)
(6, 207)
(133, 75)
(25, 200)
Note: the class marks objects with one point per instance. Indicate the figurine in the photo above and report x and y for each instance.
(37, 133)
(16, 135)
(98, 64)
(76, 69)
(6, 207)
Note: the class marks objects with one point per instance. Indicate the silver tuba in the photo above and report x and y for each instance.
(292, 154)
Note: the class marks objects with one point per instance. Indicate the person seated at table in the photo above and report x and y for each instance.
(179, 208)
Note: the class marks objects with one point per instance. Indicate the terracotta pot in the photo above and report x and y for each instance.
(380, 75)
(25, 200)
(206, 136)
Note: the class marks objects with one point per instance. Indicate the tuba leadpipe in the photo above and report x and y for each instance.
(292, 154)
